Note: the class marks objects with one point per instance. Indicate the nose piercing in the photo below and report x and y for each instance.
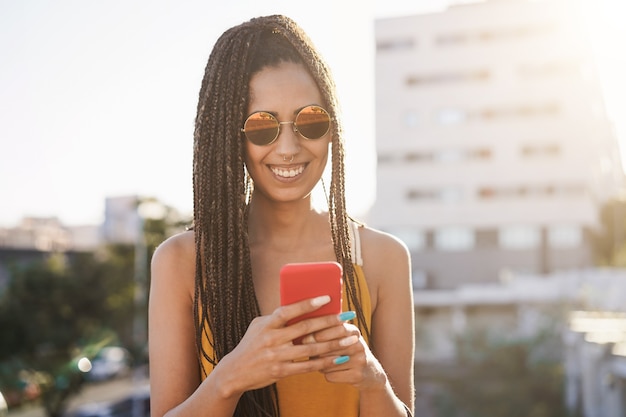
(285, 158)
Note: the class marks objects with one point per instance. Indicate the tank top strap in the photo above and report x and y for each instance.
(355, 243)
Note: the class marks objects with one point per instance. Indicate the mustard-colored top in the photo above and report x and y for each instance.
(310, 395)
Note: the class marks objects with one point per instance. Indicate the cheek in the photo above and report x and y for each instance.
(252, 156)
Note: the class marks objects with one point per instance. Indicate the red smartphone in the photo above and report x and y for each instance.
(300, 281)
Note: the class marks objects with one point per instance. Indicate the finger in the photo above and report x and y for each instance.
(284, 314)
(316, 364)
(308, 339)
(334, 332)
(330, 349)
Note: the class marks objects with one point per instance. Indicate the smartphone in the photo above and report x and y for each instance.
(300, 281)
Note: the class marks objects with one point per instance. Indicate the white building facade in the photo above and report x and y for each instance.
(494, 149)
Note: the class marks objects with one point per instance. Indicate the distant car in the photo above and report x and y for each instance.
(110, 362)
(136, 404)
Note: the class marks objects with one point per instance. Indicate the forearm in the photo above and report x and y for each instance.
(214, 397)
(381, 402)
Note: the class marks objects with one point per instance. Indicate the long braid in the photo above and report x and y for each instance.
(225, 301)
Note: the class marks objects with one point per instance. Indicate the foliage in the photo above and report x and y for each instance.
(609, 241)
(54, 312)
(69, 306)
(514, 378)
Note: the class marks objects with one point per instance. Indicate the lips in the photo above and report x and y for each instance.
(287, 172)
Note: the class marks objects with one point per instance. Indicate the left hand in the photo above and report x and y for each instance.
(362, 370)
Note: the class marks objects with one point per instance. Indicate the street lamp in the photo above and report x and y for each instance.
(152, 210)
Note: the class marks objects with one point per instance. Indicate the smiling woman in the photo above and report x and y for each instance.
(221, 344)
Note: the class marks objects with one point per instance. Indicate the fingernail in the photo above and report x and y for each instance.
(347, 315)
(341, 359)
(350, 340)
(320, 301)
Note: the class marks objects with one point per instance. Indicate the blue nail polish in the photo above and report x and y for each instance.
(342, 359)
(347, 315)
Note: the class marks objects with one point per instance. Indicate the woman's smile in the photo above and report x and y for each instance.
(290, 172)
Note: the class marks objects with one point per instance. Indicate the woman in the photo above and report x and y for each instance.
(219, 341)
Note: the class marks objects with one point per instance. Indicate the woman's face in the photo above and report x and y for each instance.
(282, 91)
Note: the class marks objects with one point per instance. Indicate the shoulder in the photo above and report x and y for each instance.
(180, 246)
(174, 261)
(386, 261)
(379, 246)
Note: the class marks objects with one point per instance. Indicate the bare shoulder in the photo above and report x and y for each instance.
(174, 260)
(386, 263)
(181, 244)
(379, 247)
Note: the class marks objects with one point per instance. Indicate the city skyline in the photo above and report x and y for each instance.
(99, 99)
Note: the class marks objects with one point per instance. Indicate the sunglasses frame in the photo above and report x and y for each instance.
(293, 122)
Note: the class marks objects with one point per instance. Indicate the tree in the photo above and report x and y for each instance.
(515, 378)
(51, 314)
(609, 240)
(69, 306)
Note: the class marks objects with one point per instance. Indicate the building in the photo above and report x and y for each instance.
(48, 234)
(121, 219)
(494, 149)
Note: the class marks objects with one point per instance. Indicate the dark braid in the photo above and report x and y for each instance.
(225, 301)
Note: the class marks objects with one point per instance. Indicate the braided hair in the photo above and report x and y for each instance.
(225, 300)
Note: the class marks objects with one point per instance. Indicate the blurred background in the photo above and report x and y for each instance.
(488, 135)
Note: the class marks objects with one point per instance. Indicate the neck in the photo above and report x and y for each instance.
(285, 224)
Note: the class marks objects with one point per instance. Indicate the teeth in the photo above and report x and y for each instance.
(288, 173)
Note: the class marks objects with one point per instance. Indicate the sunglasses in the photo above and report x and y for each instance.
(262, 128)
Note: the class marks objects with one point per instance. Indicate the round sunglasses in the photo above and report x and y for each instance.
(262, 128)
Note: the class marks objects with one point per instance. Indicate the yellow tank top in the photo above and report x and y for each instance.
(310, 395)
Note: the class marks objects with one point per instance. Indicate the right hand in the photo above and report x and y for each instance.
(266, 353)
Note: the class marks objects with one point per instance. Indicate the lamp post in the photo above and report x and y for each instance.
(146, 209)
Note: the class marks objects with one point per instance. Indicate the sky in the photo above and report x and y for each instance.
(98, 98)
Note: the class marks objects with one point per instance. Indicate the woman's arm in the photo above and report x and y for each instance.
(174, 368)
(383, 373)
(393, 331)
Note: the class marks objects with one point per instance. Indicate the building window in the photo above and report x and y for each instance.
(520, 237)
(508, 33)
(449, 155)
(454, 239)
(518, 111)
(413, 157)
(565, 236)
(546, 150)
(551, 69)
(451, 194)
(448, 77)
(411, 119)
(452, 38)
(385, 159)
(415, 194)
(479, 154)
(395, 45)
(451, 116)
(531, 191)
(486, 238)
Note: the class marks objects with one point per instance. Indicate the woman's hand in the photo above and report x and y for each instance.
(358, 365)
(266, 353)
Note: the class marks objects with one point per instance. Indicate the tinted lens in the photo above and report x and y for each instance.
(313, 122)
(261, 128)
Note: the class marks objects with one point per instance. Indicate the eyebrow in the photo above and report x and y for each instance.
(295, 112)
